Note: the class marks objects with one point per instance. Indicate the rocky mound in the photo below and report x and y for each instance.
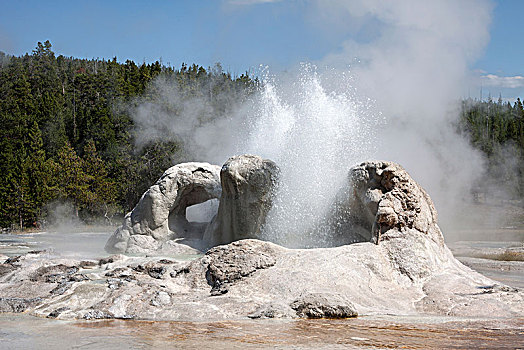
(158, 224)
(248, 185)
(400, 264)
(380, 200)
(255, 279)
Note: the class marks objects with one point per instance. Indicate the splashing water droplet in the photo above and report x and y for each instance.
(314, 134)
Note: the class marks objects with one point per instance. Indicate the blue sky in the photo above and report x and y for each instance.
(504, 54)
(241, 34)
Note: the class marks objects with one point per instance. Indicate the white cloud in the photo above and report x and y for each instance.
(512, 82)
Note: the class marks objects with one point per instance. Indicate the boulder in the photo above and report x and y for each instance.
(248, 187)
(324, 305)
(160, 215)
(228, 263)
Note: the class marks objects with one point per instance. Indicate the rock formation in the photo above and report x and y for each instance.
(160, 215)
(248, 186)
(400, 266)
(256, 279)
(158, 224)
(379, 201)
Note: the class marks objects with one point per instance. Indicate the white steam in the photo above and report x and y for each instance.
(193, 118)
(388, 93)
(416, 68)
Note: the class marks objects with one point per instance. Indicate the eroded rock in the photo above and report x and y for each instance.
(228, 263)
(407, 274)
(17, 305)
(273, 310)
(160, 215)
(381, 200)
(248, 186)
(324, 305)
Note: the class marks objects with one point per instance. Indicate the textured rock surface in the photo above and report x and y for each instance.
(248, 184)
(381, 200)
(160, 215)
(251, 278)
(227, 264)
(324, 305)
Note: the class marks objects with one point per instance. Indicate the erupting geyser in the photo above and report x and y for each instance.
(375, 244)
(377, 197)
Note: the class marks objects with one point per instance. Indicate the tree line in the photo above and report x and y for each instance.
(497, 130)
(67, 135)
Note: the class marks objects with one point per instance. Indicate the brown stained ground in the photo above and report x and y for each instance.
(350, 333)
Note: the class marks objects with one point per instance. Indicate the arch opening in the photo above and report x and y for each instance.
(192, 221)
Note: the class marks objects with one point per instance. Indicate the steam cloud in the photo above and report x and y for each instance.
(390, 93)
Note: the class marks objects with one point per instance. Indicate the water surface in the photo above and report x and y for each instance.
(26, 332)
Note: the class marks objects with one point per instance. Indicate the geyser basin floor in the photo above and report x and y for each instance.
(410, 275)
(80, 242)
(24, 332)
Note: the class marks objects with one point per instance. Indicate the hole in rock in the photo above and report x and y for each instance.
(202, 212)
(192, 221)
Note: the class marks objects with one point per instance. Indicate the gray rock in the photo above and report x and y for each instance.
(6, 269)
(248, 185)
(57, 312)
(273, 310)
(161, 298)
(381, 200)
(160, 215)
(324, 305)
(17, 305)
(229, 263)
(96, 315)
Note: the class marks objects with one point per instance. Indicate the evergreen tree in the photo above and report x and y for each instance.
(55, 109)
(72, 181)
(102, 190)
(39, 175)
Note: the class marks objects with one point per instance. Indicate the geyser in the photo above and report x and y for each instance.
(313, 127)
(314, 135)
(378, 198)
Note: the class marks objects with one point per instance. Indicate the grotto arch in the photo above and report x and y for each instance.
(160, 215)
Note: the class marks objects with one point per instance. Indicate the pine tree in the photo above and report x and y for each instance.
(102, 191)
(38, 170)
(73, 182)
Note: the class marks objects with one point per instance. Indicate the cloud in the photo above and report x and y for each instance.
(511, 82)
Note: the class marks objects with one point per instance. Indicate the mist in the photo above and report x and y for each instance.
(195, 120)
(391, 93)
